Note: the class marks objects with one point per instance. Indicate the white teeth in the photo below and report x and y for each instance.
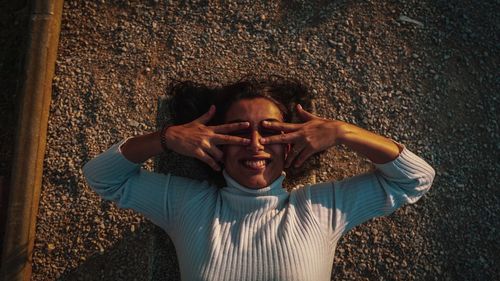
(255, 164)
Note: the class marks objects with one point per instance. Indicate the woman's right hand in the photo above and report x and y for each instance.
(197, 140)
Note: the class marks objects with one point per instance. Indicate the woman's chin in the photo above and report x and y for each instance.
(256, 183)
(256, 180)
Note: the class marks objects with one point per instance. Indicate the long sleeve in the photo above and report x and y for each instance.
(342, 205)
(157, 196)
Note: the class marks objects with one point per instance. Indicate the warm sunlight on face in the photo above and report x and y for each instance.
(254, 165)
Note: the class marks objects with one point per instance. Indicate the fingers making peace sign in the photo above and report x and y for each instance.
(197, 140)
(312, 136)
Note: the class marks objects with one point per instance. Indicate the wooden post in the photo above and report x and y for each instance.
(27, 165)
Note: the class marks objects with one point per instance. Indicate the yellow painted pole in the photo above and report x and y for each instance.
(27, 165)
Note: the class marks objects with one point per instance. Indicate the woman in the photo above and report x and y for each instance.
(253, 228)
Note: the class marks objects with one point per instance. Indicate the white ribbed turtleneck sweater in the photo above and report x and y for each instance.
(237, 233)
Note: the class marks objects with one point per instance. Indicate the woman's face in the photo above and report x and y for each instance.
(254, 165)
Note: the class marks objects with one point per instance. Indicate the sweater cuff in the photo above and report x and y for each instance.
(110, 161)
(122, 142)
(406, 164)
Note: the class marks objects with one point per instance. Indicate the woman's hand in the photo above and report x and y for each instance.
(197, 140)
(314, 135)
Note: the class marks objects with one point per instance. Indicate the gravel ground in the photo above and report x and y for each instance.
(422, 72)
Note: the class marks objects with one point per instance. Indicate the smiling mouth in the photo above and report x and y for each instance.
(255, 164)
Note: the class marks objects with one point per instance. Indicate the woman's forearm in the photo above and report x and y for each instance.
(377, 148)
(140, 148)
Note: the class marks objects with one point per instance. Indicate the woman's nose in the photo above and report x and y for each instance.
(255, 144)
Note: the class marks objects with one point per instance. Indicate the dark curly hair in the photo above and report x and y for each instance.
(190, 100)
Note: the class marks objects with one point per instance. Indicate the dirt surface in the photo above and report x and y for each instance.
(424, 73)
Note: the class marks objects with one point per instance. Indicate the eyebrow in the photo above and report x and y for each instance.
(241, 120)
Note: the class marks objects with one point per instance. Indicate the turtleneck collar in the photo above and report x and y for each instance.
(275, 188)
(239, 200)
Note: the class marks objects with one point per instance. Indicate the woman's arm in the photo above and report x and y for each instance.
(342, 205)
(375, 147)
(141, 148)
(117, 179)
(400, 176)
(317, 134)
(193, 139)
(116, 174)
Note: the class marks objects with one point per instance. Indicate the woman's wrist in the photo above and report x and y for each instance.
(140, 148)
(341, 130)
(163, 137)
(377, 148)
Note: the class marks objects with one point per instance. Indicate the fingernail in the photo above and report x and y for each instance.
(263, 141)
(265, 123)
(299, 106)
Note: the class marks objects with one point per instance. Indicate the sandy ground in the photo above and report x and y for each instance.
(424, 73)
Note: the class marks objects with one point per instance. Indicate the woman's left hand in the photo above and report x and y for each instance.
(314, 135)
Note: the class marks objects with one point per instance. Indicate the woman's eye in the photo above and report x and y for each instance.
(248, 133)
(267, 132)
(241, 133)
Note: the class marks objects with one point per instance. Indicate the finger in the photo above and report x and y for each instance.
(227, 139)
(304, 115)
(303, 157)
(206, 116)
(227, 128)
(282, 138)
(292, 155)
(207, 159)
(215, 153)
(281, 126)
